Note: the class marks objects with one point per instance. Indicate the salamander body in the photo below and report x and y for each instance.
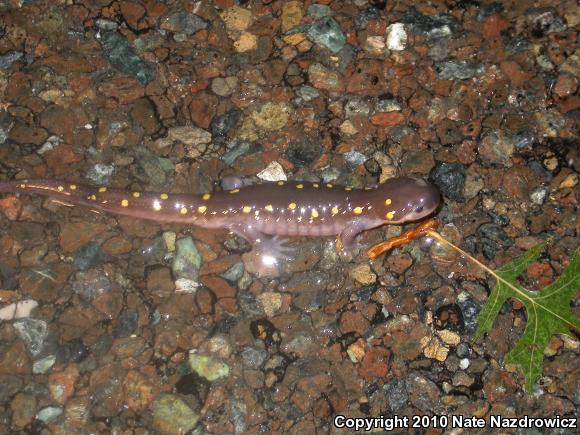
(277, 209)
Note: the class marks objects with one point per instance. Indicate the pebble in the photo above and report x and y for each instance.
(49, 414)
(43, 365)
(253, 358)
(18, 310)
(450, 179)
(457, 70)
(122, 56)
(270, 302)
(395, 392)
(327, 34)
(88, 257)
(208, 367)
(273, 172)
(171, 415)
(363, 274)
(33, 333)
(183, 22)
(396, 37)
(481, 99)
(272, 116)
(223, 124)
(187, 260)
(497, 148)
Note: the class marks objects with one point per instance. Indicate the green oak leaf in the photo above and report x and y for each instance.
(548, 311)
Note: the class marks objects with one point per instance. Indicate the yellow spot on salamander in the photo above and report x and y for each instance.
(329, 185)
(314, 213)
(102, 189)
(334, 210)
(124, 203)
(183, 210)
(246, 209)
(73, 187)
(388, 201)
(299, 186)
(202, 209)
(348, 189)
(269, 208)
(234, 191)
(316, 185)
(136, 194)
(357, 210)
(164, 196)
(292, 205)
(390, 215)
(156, 205)
(60, 188)
(93, 198)
(368, 188)
(206, 196)
(280, 183)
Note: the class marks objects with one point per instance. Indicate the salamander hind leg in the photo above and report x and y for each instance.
(272, 249)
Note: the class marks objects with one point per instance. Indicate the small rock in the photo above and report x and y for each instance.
(187, 260)
(173, 416)
(450, 179)
(270, 302)
(91, 284)
(273, 172)
(253, 358)
(23, 407)
(356, 351)
(423, 393)
(43, 365)
(183, 22)
(432, 27)
(434, 349)
(208, 367)
(33, 332)
(272, 116)
(449, 337)
(570, 181)
(396, 37)
(324, 78)
(354, 158)
(246, 42)
(327, 33)
(18, 310)
(291, 15)
(222, 124)
(462, 379)
(61, 384)
(236, 19)
(457, 70)
(49, 414)
(395, 393)
(89, 256)
(121, 55)
(363, 274)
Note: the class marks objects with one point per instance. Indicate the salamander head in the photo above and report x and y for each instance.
(405, 199)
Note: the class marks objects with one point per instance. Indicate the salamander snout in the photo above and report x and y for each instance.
(407, 199)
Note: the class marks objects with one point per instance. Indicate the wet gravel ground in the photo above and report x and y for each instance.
(117, 325)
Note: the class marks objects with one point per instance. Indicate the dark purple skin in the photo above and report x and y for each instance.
(277, 209)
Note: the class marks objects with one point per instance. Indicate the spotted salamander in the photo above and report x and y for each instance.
(275, 209)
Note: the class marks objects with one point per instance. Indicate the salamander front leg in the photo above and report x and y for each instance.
(347, 239)
(271, 249)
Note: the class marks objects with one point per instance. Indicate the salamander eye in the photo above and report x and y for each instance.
(419, 209)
